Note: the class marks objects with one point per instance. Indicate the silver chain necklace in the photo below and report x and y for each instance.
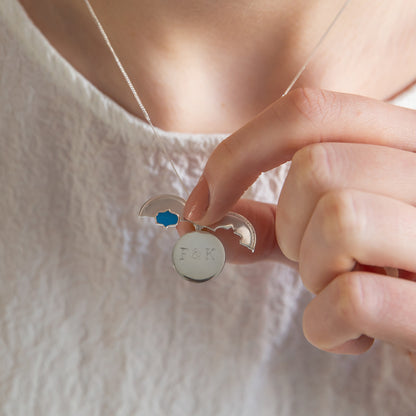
(197, 256)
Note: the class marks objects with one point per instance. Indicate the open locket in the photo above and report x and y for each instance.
(197, 256)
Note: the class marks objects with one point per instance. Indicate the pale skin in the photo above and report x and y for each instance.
(347, 207)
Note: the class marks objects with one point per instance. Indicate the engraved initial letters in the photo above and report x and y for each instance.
(196, 254)
(210, 254)
(183, 253)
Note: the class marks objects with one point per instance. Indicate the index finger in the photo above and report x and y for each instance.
(304, 116)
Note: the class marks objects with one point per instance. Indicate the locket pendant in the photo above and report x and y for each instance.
(197, 256)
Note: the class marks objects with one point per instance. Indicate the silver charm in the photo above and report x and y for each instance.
(197, 256)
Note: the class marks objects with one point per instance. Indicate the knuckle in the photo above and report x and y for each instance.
(349, 299)
(313, 104)
(313, 167)
(340, 218)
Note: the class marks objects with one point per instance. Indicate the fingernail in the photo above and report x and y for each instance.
(198, 201)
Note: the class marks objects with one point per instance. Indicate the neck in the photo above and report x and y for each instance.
(193, 60)
(201, 67)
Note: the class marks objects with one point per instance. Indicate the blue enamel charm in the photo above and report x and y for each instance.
(167, 219)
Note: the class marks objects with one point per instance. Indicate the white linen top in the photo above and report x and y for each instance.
(93, 319)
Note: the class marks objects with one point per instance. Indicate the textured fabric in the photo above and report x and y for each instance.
(93, 320)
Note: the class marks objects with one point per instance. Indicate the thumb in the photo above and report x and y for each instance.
(262, 217)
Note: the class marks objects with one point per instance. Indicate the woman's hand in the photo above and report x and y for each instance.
(346, 210)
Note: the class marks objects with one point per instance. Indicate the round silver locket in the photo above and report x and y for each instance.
(198, 256)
